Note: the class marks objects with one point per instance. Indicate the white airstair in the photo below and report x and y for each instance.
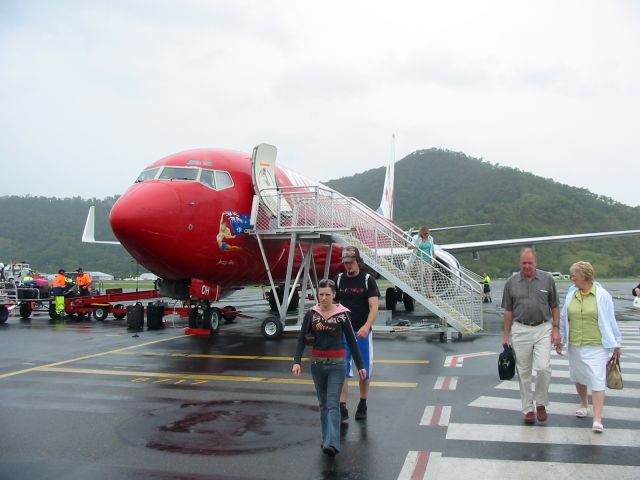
(314, 213)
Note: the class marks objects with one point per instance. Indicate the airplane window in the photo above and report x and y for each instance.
(206, 177)
(194, 162)
(147, 175)
(179, 173)
(223, 180)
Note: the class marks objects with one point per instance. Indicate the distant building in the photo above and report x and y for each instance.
(100, 276)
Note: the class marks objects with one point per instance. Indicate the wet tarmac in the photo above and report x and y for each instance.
(92, 400)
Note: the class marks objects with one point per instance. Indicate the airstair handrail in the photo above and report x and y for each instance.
(452, 294)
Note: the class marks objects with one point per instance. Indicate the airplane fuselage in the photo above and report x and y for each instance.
(187, 214)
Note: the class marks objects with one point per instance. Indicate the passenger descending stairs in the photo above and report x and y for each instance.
(453, 294)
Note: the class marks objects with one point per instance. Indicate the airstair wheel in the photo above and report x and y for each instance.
(271, 328)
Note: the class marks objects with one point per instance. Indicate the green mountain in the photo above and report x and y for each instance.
(442, 188)
(433, 187)
(46, 232)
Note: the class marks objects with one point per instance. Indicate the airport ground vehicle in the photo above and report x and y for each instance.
(25, 298)
(100, 306)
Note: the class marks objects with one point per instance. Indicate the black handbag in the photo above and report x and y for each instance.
(507, 363)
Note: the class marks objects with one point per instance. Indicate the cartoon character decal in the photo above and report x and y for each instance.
(232, 225)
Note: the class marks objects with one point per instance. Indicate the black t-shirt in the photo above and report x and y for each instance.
(354, 293)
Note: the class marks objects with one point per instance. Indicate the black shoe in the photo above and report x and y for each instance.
(344, 413)
(361, 412)
(330, 450)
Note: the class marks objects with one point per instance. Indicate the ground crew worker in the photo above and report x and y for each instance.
(59, 286)
(84, 282)
(486, 288)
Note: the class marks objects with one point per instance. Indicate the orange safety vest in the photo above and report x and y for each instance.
(59, 281)
(83, 280)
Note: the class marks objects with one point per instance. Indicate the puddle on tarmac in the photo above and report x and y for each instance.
(225, 427)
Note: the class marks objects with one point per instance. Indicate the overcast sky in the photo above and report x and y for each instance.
(91, 92)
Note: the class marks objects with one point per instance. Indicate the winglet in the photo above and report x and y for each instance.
(88, 235)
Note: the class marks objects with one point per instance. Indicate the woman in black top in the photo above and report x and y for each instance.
(328, 323)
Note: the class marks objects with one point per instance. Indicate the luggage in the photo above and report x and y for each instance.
(506, 363)
(155, 314)
(135, 317)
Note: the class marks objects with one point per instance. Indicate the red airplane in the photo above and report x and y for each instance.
(187, 218)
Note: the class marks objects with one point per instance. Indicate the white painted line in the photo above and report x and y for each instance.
(510, 434)
(559, 408)
(454, 468)
(570, 388)
(626, 366)
(446, 383)
(436, 415)
(414, 466)
(626, 377)
(633, 348)
(457, 360)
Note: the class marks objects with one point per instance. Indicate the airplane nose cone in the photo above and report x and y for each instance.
(142, 220)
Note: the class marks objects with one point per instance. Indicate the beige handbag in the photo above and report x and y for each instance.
(614, 374)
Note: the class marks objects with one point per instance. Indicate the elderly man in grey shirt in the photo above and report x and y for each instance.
(531, 325)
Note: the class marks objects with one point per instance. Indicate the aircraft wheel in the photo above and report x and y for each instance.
(229, 313)
(100, 313)
(119, 316)
(272, 301)
(295, 300)
(211, 319)
(409, 304)
(25, 310)
(275, 299)
(193, 318)
(271, 328)
(390, 299)
(4, 314)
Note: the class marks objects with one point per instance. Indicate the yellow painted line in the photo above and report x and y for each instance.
(252, 357)
(86, 357)
(201, 376)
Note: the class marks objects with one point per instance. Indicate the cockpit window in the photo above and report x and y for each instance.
(147, 175)
(206, 177)
(223, 180)
(179, 173)
(216, 179)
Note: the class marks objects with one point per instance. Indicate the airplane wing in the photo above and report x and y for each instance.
(88, 235)
(528, 241)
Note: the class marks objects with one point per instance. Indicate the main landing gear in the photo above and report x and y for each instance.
(394, 295)
(203, 315)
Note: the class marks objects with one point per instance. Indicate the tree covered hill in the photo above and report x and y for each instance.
(443, 188)
(46, 233)
(433, 187)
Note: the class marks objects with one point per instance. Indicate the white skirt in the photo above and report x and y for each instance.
(588, 366)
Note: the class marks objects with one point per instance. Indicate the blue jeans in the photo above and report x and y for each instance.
(328, 377)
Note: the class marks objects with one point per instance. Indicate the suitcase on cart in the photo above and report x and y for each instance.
(135, 317)
(155, 314)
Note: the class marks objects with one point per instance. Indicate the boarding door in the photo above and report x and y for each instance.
(263, 176)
